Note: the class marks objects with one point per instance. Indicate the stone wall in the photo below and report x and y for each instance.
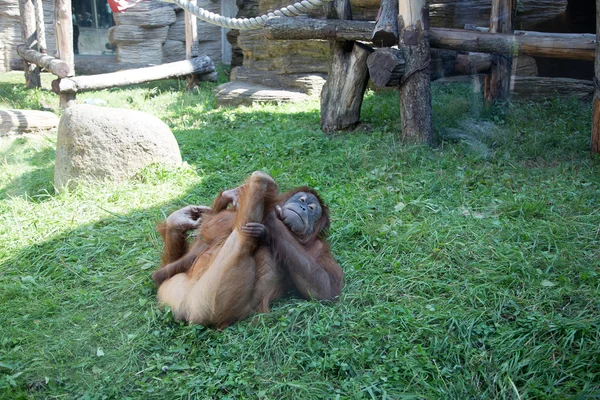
(153, 32)
(10, 33)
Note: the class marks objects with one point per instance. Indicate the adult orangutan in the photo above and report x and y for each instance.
(252, 246)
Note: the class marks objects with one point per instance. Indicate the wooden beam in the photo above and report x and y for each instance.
(497, 82)
(386, 33)
(40, 28)
(29, 36)
(197, 65)
(63, 26)
(63, 29)
(387, 66)
(595, 147)
(54, 65)
(191, 43)
(414, 89)
(535, 44)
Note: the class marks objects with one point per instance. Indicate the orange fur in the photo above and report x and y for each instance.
(227, 275)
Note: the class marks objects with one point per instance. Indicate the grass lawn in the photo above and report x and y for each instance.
(472, 269)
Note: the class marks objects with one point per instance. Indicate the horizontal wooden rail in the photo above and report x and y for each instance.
(54, 65)
(537, 44)
(197, 65)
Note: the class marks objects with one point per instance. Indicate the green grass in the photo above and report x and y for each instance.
(470, 273)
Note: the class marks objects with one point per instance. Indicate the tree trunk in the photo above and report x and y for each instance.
(497, 82)
(415, 94)
(343, 93)
(29, 36)
(595, 148)
(63, 26)
(347, 80)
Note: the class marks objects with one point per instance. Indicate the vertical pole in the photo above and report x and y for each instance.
(595, 148)
(41, 29)
(29, 36)
(415, 93)
(191, 43)
(497, 82)
(95, 11)
(342, 94)
(63, 27)
(228, 9)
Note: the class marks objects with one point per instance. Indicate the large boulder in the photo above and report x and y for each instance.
(98, 143)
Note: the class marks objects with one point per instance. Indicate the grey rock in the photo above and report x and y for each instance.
(99, 143)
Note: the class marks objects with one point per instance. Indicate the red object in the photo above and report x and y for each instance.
(118, 6)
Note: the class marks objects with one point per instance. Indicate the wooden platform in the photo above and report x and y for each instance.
(241, 93)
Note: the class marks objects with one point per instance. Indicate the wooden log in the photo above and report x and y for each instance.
(191, 43)
(565, 46)
(197, 65)
(455, 13)
(88, 67)
(343, 93)
(63, 28)
(347, 79)
(15, 121)
(414, 89)
(386, 67)
(29, 36)
(497, 82)
(535, 44)
(595, 142)
(54, 65)
(540, 88)
(385, 33)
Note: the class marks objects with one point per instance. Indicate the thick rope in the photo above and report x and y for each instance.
(249, 23)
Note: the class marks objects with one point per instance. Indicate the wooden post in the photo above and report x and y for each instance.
(342, 94)
(63, 27)
(385, 33)
(595, 148)
(191, 43)
(41, 29)
(29, 36)
(497, 82)
(415, 94)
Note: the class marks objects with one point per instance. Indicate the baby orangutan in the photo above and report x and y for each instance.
(251, 247)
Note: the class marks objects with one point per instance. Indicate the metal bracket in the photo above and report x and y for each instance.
(425, 17)
(410, 38)
(329, 31)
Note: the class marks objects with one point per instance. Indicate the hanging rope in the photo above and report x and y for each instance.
(249, 23)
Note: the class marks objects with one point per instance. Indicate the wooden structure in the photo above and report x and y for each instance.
(67, 85)
(388, 67)
(29, 34)
(497, 82)
(595, 146)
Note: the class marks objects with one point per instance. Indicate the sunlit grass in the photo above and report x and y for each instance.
(471, 270)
